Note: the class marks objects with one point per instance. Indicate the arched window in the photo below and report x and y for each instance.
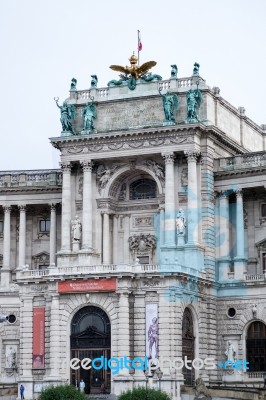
(142, 189)
(188, 341)
(256, 346)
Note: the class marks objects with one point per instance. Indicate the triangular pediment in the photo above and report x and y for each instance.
(90, 333)
(261, 245)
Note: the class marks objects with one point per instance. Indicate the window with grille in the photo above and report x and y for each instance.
(142, 189)
(256, 346)
(44, 225)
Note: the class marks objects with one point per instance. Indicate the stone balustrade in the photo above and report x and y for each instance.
(244, 161)
(31, 178)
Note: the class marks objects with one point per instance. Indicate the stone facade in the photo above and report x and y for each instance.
(124, 183)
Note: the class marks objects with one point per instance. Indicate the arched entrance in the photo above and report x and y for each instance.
(91, 338)
(188, 345)
(256, 346)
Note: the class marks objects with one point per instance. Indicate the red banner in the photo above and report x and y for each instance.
(38, 348)
(90, 285)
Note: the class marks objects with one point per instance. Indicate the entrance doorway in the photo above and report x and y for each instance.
(91, 338)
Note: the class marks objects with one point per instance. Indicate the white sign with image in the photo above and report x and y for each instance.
(152, 331)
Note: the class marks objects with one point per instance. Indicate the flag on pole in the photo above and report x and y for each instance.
(139, 42)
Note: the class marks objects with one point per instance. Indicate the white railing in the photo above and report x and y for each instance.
(25, 273)
(256, 374)
(257, 277)
(239, 162)
(164, 85)
(184, 82)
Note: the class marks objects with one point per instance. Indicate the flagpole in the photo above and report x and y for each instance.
(138, 47)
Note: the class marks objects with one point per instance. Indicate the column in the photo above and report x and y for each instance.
(139, 331)
(224, 234)
(192, 198)
(52, 234)
(169, 225)
(124, 333)
(66, 207)
(161, 222)
(87, 207)
(26, 338)
(115, 238)
(22, 235)
(106, 238)
(239, 261)
(240, 233)
(5, 271)
(55, 361)
(126, 237)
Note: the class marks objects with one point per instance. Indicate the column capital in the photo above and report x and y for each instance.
(192, 155)
(168, 157)
(224, 194)
(86, 165)
(239, 193)
(6, 208)
(65, 166)
(53, 206)
(22, 207)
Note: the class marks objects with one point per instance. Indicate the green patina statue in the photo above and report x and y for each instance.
(174, 71)
(94, 81)
(196, 69)
(170, 105)
(73, 85)
(67, 116)
(151, 77)
(123, 80)
(89, 113)
(194, 99)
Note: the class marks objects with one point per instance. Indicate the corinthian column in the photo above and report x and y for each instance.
(87, 207)
(169, 225)
(239, 261)
(106, 238)
(66, 207)
(224, 243)
(192, 197)
(22, 235)
(5, 271)
(53, 234)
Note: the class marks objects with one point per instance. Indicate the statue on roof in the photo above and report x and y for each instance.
(89, 113)
(67, 115)
(194, 98)
(170, 105)
(133, 72)
(73, 85)
(94, 81)
(196, 69)
(174, 71)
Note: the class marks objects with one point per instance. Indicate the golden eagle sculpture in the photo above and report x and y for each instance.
(134, 72)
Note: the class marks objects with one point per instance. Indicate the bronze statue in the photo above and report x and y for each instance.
(170, 104)
(134, 71)
(67, 115)
(94, 81)
(194, 99)
(89, 114)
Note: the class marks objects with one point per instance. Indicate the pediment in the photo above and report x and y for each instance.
(43, 256)
(90, 333)
(261, 245)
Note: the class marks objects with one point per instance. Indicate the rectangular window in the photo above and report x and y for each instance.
(44, 225)
(263, 262)
(144, 259)
(263, 210)
(1, 226)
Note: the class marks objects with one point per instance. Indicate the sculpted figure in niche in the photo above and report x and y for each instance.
(76, 229)
(180, 222)
(11, 358)
(230, 352)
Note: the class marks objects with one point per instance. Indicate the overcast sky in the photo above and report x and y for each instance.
(44, 43)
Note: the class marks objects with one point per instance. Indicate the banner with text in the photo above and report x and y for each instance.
(89, 285)
(38, 350)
